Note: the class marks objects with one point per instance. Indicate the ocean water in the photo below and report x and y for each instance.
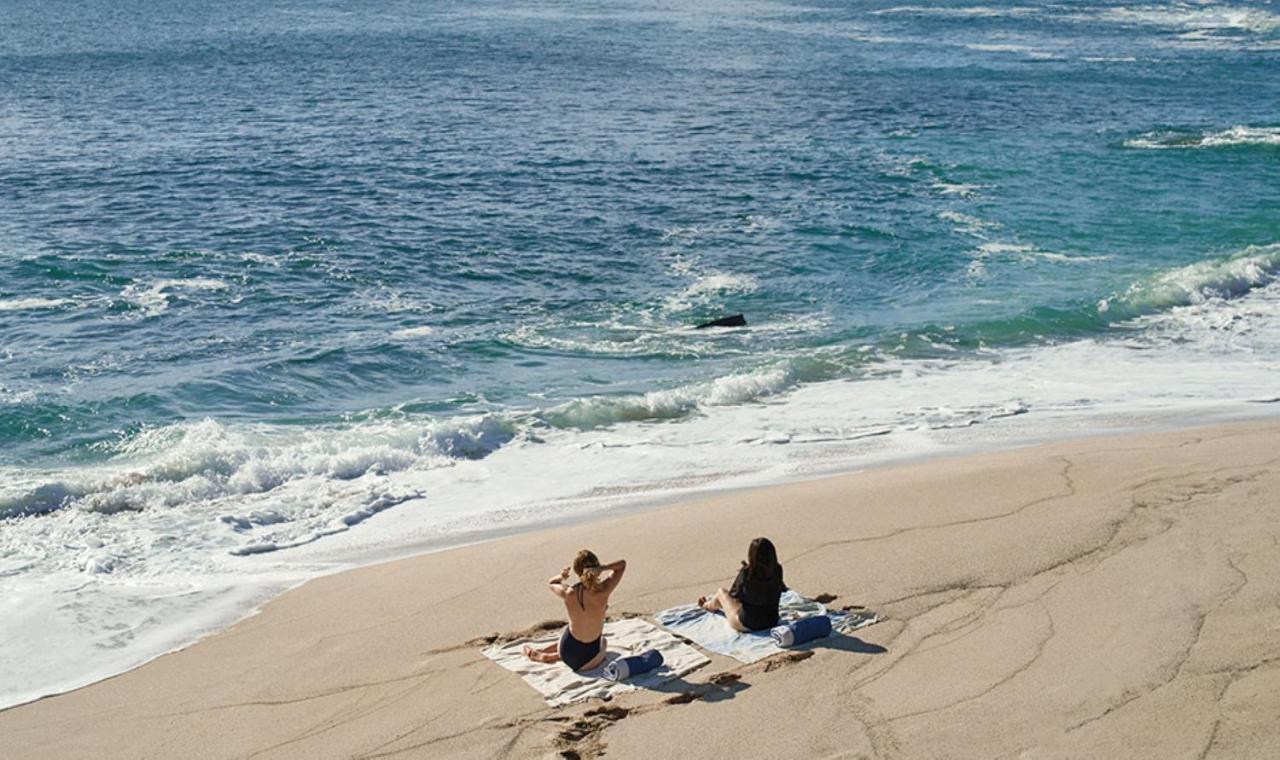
(289, 286)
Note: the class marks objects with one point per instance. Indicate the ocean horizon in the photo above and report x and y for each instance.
(291, 287)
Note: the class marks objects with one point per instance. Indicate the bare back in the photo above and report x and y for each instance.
(586, 609)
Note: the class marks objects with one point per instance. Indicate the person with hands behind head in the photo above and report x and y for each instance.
(582, 645)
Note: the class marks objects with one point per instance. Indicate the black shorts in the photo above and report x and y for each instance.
(574, 653)
(758, 619)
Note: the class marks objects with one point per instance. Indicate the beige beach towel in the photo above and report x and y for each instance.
(562, 686)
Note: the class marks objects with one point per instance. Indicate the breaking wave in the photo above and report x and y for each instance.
(675, 403)
(31, 304)
(187, 465)
(1235, 136)
(1253, 268)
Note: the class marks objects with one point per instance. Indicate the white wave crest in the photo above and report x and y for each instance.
(610, 339)
(1241, 326)
(1219, 279)
(1196, 18)
(189, 464)
(749, 224)
(1027, 50)
(24, 304)
(409, 333)
(969, 224)
(708, 286)
(637, 333)
(154, 298)
(958, 189)
(972, 11)
(674, 403)
(1239, 135)
(260, 258)
(751, 386)
(1026, 252)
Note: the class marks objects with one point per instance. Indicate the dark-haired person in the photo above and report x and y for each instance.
(582, 645)
(751, 604)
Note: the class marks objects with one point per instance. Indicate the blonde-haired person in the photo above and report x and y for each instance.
(582, 645)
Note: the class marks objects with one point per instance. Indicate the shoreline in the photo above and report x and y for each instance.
(1114, 424)
(486, 607)
(344, 560)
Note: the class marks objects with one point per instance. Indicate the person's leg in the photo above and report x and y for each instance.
(599, 658)
(550, 653)
(712, 604)
(732, 609)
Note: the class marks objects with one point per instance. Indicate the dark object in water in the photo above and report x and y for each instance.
(737, 320)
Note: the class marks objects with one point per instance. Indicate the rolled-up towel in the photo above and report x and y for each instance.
(802, 630)
(624, 667)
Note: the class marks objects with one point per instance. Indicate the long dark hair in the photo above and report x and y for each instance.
(762, 559)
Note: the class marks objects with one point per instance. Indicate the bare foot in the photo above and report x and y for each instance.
(547, 655)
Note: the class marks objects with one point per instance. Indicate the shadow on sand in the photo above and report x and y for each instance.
(718, 688)
(843, 642)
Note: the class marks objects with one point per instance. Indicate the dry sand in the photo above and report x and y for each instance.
(1110, 597)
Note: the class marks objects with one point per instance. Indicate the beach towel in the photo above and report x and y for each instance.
(713, 633)
(562, 686)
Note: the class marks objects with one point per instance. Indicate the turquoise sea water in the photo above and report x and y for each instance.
(268, 269)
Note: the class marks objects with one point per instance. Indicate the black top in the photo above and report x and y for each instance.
(759, 597)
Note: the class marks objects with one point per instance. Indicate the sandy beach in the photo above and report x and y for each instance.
(1104, 597)
(329, 332)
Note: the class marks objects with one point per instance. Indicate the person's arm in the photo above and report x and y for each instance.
(616, 570)
(556, 583)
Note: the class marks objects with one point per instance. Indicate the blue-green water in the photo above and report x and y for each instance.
(268, 268)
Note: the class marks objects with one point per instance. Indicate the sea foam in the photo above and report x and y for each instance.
(1196, 17)
(154, 298)
(1224, 138)
(1197, 283)
(25, 304)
